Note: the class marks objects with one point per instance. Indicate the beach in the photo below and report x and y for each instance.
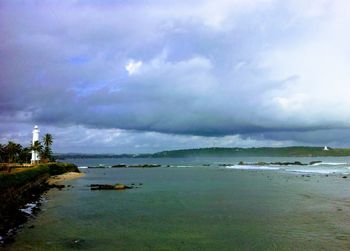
(64, 177)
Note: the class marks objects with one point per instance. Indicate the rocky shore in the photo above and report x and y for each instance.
(128, 166)
(286, 163)
(20, 194)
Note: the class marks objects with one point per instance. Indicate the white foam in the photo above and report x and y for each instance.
(329, 164)
(82, 167)
(247, 167)
(28, 208)
(319, 171)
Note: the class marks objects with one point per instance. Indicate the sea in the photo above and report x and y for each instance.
(197, 204)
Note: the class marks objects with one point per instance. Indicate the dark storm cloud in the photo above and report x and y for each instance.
(195, 68)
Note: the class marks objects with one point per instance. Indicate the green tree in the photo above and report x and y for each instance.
(47, 153)
(13, 151)
(25, 155)
(3, 154)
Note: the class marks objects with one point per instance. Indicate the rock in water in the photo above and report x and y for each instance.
(109, 187)
(315, 162)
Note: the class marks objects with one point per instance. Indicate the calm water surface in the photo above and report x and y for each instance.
(188, 206)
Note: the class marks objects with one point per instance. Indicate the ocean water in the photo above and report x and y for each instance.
(188, 205)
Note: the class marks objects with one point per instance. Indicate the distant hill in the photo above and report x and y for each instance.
(293, 151)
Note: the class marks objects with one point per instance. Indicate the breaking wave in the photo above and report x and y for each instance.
(240, 167)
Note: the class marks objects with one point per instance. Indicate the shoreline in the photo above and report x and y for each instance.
(63, 177)
(21, 193)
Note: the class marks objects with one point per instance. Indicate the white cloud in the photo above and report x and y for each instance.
(133, 66)
(312, 70)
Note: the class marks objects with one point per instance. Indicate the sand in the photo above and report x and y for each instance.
(63, 177)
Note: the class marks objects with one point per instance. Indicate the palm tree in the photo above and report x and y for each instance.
(47, 139)
(13, 150)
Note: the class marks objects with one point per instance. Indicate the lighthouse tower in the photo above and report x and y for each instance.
(35, 154)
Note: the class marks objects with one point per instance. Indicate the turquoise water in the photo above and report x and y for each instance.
(188, 206)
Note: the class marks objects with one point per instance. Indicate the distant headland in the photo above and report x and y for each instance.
(292, 151)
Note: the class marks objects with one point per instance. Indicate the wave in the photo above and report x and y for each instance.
(182, 166)
(82, 167)
(240, 167)
(319, 171)
(274, 168)
(329, 164)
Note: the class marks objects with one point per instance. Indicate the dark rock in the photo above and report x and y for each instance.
(260, 163)
(295, 163)
(120, 165)
(315, 162)
(145, 166)
(109, 187)
(121, 187)
(56, 186)
(345, 177)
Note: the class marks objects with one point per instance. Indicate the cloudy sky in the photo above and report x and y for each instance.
(143, 76)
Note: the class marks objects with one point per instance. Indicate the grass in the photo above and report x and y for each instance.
(23, 175)
(18, 179)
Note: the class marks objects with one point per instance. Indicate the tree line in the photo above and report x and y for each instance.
(13, 152)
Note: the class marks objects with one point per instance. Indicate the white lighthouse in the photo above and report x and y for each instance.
(35, 154)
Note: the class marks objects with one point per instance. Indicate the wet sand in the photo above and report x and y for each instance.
(63, 177)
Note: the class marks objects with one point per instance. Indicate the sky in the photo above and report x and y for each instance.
(145, 76)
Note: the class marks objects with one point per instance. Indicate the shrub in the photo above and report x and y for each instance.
(20, 178)
(56, 168)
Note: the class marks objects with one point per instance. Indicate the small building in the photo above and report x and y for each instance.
(325, 148)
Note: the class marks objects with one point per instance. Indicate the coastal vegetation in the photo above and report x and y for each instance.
(13, 152)
(295, 151)
(17, 179)
(46, 152)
